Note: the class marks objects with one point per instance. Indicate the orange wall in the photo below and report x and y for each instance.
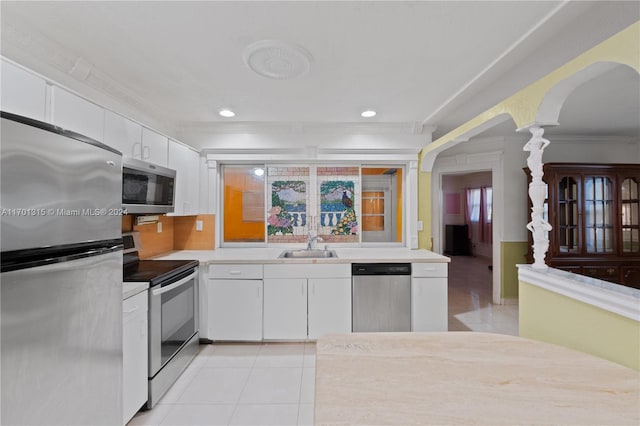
(178, 233)
(185, 236)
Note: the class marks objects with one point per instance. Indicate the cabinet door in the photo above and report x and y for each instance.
(235, 310)
(599, 234)
(22, 92)
(134, 354)
(74, 113)
(630, 214)
(122, 134)
(329, 306)
(429, 304)
(186, 163)
(285, 308)
(567, 224)
(154, 147)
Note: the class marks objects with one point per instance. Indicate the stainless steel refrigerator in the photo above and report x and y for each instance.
(61, 279)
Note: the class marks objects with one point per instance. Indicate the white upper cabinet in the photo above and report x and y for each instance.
(122, 134)
(155, 147)
(22, 92)
(186, 163)
(74, 113)
(134, 140)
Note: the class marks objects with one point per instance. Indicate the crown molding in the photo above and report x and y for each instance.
(328, 128)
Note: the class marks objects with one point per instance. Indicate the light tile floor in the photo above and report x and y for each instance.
(273, 383)
(470, 299)
(241, 384)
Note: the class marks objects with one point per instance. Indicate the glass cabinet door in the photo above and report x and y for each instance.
(598, 214)
(630, 206)
(567, 216)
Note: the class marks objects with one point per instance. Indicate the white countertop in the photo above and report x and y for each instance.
(270, 255)
(131, 289)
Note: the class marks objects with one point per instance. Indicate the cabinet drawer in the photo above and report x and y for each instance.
(135, 306)
(429, 269)
(235, 271)
(306, 270)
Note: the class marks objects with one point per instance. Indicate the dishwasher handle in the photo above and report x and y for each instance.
(380, 269)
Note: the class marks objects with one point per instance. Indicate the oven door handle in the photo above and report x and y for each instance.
(174, 285)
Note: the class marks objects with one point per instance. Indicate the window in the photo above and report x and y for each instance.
(273, 203)
(488, 204)
(382, 204)
(473, 200)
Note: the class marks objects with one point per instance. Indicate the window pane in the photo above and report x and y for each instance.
(474, 205)
(287, 217)
(339, 201)
(489, 203)
(243, 203)
(382, 204)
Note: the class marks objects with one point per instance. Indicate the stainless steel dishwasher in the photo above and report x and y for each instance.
(381, 297)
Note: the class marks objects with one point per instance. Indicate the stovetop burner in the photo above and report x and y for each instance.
(155, 271)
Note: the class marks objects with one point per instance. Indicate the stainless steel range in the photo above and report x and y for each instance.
(173, 314)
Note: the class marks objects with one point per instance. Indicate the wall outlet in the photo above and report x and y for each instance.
(198, 225)
(420, 225)
(159, 227)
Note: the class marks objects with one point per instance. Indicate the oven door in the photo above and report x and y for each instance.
(173, 318)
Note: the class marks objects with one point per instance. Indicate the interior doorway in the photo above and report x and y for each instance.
(467, 214)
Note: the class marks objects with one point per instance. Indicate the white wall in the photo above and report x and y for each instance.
(591, 150)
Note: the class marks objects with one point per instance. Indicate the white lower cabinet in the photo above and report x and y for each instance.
(429, 297)
(305, 301)
(235, 309)
(285, 308)
(329, 306)
(134, 354)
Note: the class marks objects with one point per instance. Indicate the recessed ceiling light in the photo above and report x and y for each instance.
(227, 113)
(368, 113)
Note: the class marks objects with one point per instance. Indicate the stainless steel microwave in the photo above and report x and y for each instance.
(146, 187)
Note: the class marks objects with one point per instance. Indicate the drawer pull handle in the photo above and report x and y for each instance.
(235, 272)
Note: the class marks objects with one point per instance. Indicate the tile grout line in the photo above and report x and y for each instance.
(237, 404)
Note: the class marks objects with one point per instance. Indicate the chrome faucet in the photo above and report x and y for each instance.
(311, 241)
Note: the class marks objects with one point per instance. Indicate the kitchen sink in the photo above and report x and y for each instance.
(307, 254)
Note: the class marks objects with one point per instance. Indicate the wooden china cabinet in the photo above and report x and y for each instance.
(594, 212)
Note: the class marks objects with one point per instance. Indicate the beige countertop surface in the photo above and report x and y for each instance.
(467, 378)
(270, 255)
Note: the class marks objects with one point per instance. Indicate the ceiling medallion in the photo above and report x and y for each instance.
(277, 59)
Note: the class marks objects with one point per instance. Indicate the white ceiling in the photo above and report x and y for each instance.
(415, 63)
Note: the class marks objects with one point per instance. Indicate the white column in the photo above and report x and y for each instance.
(537, 192)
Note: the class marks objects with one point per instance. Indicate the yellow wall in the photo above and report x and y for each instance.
(554, 318)
(511, 254)
(425, 239)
